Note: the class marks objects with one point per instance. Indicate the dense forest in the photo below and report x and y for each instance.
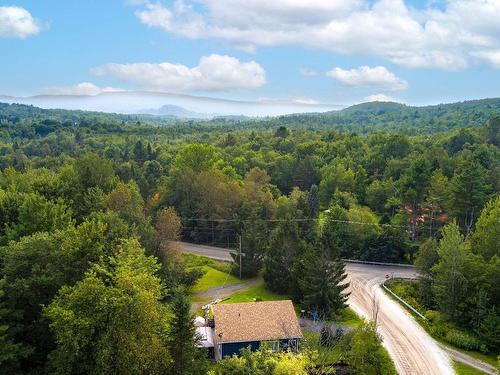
(89, 203)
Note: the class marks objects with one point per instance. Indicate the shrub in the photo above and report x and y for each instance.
(462, 340)
(433, 316)
(328, 337)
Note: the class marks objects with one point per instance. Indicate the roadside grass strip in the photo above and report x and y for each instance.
(462, 369)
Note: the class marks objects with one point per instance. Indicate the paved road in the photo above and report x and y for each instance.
(208, 251)
(414, 352)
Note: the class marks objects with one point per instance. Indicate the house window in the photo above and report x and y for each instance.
(293, 345)
(274, 345)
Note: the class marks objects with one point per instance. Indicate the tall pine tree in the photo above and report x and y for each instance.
(280, 262)
(253, 247)
(182, 339)
(322, 284)
(469, 191)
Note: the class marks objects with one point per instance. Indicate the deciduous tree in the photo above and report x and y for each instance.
(112, 321)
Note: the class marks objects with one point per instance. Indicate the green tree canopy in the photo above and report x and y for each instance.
(113, 320)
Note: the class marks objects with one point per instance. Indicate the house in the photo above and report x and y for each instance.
(240, 325)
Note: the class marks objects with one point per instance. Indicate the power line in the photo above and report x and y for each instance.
(209, 229)
(298, 220)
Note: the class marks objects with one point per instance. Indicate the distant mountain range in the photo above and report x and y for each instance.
(175, 111)
(165, 104)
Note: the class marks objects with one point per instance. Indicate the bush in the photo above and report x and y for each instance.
(463, 340)
(433, 316)
(328, 337)
(263, 362)
(408, 291)
(363, 351)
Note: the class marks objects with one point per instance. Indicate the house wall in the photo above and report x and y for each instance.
(228, 349)
(231, 348)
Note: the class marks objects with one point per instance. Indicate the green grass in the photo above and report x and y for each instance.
(487, 358)
(192, 260)
(213, 278)
(407, 290)
(349, 318)
(463, 369)
(257, 293)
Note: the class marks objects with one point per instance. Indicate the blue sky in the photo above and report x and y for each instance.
(418, 52)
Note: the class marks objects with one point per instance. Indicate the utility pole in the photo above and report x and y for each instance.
(240, 254)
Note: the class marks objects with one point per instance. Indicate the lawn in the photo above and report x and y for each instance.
(348, 318)
(192, 261)
(257, 293)
(215, 273)
(463, 369)
(213, 278)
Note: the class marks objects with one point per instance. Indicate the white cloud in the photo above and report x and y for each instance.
(84, 88)
(364, 76)
(213, 73)
(181, 18)
(17, 22)
(293, 101)
(307, 72)
(305, 100)
(451, 35)
(380, 98)
(492, 57)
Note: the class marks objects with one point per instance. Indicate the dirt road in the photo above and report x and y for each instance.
(412, 349)
(414, 352)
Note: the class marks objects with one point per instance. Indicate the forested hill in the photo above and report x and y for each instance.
(362, 118)
(15, 113)
(366, 117)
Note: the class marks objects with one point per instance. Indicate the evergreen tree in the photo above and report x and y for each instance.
(322, 284)
(390, 246)
(335, 235)
(493, 131)
(313, 201)
(427, 257)
(413, 185)
(469, 191)
(280, 262)
(437, 196)
(282, 132)
(253, 247)
(182, 339)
